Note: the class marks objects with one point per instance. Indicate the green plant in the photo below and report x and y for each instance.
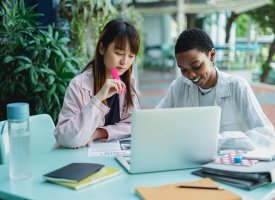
(265, 17)
(87, 19)
(242, 23)
(36, 65)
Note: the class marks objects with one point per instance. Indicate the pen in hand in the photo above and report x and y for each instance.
(201, 187)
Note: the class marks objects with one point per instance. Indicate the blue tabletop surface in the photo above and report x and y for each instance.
(120, 187)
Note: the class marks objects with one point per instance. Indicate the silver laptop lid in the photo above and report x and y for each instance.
(174, 138)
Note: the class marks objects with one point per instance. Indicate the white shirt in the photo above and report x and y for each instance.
(243, 123)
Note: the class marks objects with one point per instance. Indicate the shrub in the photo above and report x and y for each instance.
(35, 65)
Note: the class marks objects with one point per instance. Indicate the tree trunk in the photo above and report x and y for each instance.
(266, 66)
(191, 19)
(229, 23)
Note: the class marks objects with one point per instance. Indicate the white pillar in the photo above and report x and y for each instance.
(180, 16)
(181, 24)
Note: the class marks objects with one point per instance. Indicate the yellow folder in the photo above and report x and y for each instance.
(196, 190)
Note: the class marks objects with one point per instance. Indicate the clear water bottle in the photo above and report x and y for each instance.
(19, 140)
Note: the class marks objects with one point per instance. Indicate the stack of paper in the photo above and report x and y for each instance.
(261, 154)
(243, 177)
(80, 175)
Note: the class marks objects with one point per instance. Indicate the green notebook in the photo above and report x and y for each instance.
(103, 174)
(73, 172)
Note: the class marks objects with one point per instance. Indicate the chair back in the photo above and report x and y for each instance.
(41, 132)
(3, 129)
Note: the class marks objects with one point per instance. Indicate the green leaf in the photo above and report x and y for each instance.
(35, 54)
(23, 58)
(67, 75)
(62, 89)
(39, 108)
(75, 62)
(51, 91)
(65, 51)
(8, 59)
(56, 99)
(51, 79)
(39, 88)
(47, 53)
(60, 54)
(48, 40)
(50, 105)
(33, 76)
(21, 68)
(63, 40)
(22, 6)
(48, 71)
(50, 30)
(56, 36)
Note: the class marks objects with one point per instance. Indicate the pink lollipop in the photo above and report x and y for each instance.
(116, 76)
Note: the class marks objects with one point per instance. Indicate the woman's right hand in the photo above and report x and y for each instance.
(110, 87)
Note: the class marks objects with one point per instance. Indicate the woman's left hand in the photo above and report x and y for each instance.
(99, 134)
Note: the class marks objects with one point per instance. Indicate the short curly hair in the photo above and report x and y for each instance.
(193, 38)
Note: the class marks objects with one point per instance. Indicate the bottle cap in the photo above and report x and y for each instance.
(238, 158)
(18, 111)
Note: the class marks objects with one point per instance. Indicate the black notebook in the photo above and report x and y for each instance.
(73, 172)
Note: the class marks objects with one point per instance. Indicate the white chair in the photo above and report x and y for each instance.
(41, 131)
(2, 150)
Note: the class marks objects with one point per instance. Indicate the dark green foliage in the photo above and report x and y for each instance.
(35, 65)
(265, 17)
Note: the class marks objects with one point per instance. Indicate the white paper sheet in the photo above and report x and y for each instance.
(110, 148)
(261, 154)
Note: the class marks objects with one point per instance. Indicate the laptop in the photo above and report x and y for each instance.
(172, 139)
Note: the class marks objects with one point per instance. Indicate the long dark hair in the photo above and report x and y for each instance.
(120, 32)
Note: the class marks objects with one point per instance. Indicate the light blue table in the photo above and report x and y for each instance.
(120, 187)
